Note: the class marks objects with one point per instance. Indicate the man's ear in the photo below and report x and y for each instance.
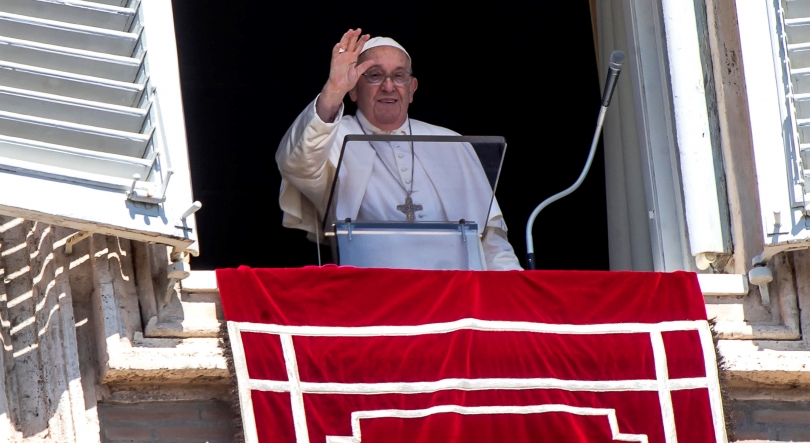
(414, 85)
(353, 94)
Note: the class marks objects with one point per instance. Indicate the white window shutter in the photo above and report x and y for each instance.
(773, 40)
(92, 134)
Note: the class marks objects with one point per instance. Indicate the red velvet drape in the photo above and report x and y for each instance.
(559, 408)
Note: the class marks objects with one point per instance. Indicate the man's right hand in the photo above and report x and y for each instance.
(343, 73)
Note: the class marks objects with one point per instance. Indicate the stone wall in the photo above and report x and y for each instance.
(164, 422)
(771, 420)
(75, 334)
(42, 396)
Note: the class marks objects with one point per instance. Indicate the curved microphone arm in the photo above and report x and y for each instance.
(529, 238)
(616, 62)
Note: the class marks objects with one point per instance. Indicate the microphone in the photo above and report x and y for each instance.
(616, 62)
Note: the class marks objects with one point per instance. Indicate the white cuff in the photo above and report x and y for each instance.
(317, 117)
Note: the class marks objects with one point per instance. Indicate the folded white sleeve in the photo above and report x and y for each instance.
(303, 159)
(498, 252)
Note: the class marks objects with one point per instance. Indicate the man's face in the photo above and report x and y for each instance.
(385, 105)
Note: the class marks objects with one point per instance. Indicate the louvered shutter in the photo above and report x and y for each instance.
(775, 43)
(92, 134)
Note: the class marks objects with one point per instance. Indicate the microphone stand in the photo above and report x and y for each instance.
(616, 62)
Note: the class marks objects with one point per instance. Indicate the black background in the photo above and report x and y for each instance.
(526, 71)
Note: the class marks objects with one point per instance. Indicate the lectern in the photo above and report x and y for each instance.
(460, 175)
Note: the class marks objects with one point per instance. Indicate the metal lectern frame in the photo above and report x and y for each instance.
(467, 230)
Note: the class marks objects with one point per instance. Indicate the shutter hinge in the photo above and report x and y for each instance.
(146, 195)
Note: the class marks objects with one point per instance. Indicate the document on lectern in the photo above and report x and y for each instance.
(415, 202)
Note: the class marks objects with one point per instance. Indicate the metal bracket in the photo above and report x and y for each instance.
(770, 251)
(349, 227)
(761, 276)
(462, 224)
(705, 260)
(176, 271)
(145, 195)
(75, 238)
(191, 210)
(181, 224)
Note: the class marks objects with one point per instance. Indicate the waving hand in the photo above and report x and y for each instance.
(344, 73)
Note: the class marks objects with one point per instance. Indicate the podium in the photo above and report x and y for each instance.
(459, 172)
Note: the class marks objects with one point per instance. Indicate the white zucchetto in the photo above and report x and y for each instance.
(383, 41)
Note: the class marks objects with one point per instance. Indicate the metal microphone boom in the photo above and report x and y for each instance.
(616, 62)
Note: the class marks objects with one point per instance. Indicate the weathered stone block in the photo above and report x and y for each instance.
(165, 422)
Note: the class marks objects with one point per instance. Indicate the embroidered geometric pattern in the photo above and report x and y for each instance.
(401, 376)
(662, 384)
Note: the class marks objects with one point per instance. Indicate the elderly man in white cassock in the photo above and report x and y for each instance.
(376, 73)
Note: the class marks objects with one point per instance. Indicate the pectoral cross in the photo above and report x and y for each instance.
(409, 209)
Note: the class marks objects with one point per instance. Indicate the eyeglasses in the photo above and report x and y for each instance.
(378, 78)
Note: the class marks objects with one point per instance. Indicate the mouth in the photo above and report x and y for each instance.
(387, 101)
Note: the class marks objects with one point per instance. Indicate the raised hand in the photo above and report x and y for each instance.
(344, 73)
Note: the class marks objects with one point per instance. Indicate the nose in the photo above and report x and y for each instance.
(388, 85)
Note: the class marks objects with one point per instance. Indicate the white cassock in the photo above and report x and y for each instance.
(374, 177)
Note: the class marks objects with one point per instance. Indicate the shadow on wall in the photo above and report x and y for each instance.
(41, 392)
